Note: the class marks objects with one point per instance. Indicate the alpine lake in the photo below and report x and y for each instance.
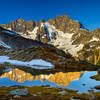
(20, 82)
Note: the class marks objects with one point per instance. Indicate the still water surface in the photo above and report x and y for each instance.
(80, 81)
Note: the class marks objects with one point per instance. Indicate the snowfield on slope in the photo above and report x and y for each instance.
(63, 40)
(36, 63)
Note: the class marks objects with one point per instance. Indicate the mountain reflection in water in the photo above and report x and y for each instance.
(80, 81)
(59, 78)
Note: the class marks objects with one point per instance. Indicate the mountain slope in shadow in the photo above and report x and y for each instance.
(23, 49)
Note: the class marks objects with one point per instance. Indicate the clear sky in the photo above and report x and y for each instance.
(85, 11)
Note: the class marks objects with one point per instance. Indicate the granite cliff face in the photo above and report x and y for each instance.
(63, 33)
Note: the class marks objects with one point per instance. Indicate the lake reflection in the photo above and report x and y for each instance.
(80, 81)
(59, 78)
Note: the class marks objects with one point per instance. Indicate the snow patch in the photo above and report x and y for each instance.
(36, 64)
(42, 25)
(63, 40)
(4, 45)
(94, 39)
(74, 49)
(33, 33)
(9, 29)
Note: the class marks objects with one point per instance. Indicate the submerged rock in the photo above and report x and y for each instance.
(62, 92)
(19, 92)
(96, 77)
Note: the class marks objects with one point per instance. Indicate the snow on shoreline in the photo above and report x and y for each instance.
(36, 63)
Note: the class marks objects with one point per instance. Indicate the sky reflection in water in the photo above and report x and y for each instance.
(80, 81)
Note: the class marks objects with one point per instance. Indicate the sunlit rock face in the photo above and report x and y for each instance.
(60, 78)
(65, 24)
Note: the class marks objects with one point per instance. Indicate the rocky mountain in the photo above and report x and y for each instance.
(17, 50)
(63, 33)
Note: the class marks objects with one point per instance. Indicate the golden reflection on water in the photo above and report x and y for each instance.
(59, 78)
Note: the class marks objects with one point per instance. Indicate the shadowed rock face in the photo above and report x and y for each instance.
(11, 39)
(17, 42)
(21, 47)
(26, 50)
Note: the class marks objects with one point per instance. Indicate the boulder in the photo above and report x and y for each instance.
(19, 92)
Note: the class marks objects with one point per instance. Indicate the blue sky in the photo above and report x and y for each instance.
(85, 11)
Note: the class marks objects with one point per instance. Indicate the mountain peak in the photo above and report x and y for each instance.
(42, 20)
(62, 32)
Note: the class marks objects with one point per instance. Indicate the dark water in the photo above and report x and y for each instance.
(80, 81)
